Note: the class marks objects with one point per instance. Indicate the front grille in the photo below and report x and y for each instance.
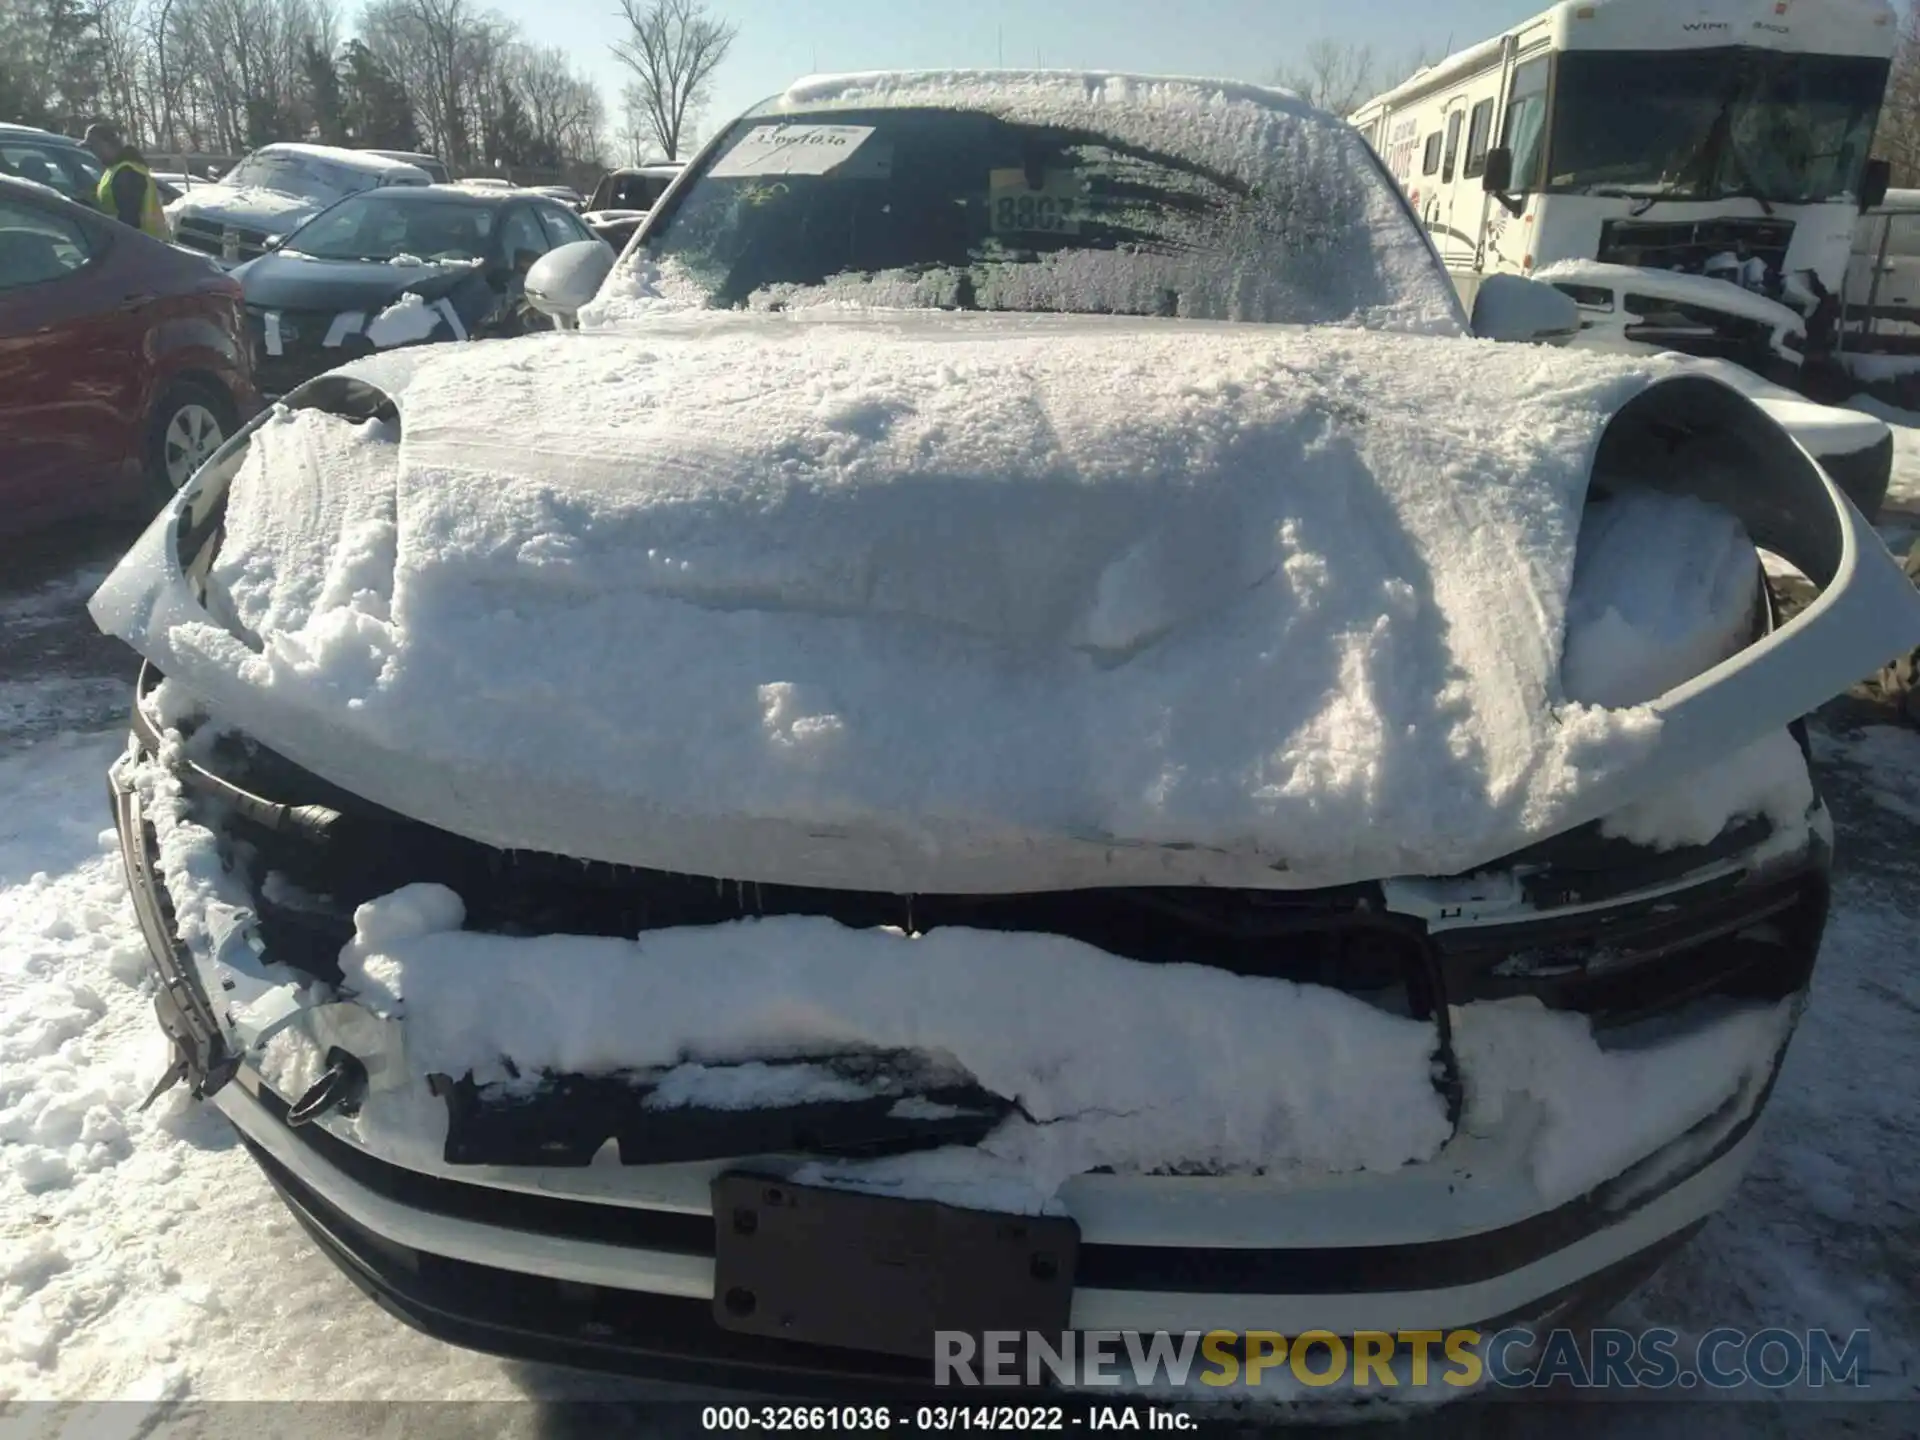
(1687, 245)
(303, 354)
(210, 237)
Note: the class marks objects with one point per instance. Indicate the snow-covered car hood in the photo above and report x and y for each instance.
(284, 281)
(939, 603)
(251, 205)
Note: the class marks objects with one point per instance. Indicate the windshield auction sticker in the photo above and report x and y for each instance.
(791, 150)
(1055, 208)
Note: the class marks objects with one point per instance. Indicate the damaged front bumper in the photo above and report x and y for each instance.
(513, 1242)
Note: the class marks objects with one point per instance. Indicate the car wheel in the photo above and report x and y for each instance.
(189, 424)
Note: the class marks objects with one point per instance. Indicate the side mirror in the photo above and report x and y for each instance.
(1497, 179)
(563, 280)
(1874, 184)
(1514, 310)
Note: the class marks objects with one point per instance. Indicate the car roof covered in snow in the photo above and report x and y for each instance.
(34, 132)
(663, 170)
(20, 185)
(340, 155)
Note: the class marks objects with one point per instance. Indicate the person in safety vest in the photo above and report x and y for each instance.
(127, 191)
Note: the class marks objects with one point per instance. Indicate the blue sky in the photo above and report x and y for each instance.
(1243, 39)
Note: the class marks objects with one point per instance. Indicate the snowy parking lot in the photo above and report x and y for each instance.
(143, 1257)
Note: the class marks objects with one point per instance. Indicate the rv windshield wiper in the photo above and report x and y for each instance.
(1749, 187)
(1648, 198)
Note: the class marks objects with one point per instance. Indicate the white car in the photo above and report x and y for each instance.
(273, 192)
(1023, 731)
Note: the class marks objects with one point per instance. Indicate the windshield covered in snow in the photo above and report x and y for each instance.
(1710, 124)
(380, 226)
(959, 209)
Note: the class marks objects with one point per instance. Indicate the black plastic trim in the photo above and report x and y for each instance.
(667, 1338)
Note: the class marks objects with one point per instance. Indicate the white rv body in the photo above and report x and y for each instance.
(1720, 138)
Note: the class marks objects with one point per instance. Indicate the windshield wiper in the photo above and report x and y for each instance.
(1648, 199)
(1749, 187)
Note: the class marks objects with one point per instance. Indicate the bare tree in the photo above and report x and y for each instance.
(673, 51)
(430, 46)
(1332, 76)
(564, 111)
(1898, 139)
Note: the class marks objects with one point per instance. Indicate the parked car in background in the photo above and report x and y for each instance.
(565, 194)
(123, 362)
(623, 197)
(52, 160)
(67, 166)
(273, 192)
(432, 164)
(634, 188)
(1004, 598)
(1883, 277)
(398, 266)
(615, 227)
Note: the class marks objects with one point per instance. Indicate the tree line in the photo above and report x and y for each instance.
(445, 76)
(1898, 139)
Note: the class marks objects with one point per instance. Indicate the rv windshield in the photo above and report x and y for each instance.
(1711, 124)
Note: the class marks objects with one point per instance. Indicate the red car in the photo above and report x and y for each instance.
(123, 361)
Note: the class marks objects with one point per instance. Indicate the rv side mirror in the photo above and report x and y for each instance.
(1498, 177)
(1874, 185)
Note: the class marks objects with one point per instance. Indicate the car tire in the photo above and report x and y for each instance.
(188, 424)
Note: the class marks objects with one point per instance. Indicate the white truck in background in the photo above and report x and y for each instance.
(1689, 171)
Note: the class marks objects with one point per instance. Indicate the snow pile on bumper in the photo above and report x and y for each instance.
(1111, 1063)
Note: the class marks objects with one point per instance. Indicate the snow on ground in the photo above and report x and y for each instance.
(141, 1255)
(51, 675)
(1903, 491)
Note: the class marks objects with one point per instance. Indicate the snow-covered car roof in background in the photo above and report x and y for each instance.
(478, 187)
(30, 185)
(341, 155)
(658, 170)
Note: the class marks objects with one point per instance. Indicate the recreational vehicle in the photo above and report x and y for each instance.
(1690, 171)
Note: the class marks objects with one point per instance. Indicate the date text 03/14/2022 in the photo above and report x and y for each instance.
(945, 1419)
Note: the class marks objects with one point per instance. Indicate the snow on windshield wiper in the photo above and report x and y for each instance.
(1635, 192)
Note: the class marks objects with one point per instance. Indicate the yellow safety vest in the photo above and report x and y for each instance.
(153, 220)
